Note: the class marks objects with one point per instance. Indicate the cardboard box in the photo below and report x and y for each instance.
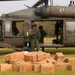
(61, 66)
(20, 62)
(9, 57)
(51, 60)
(31, 57)
(47, 68)
(72, 63)
(40, 56)
(16, 65)
(5, 67)
(36, 66)
(47, 55)
(43, 61)
(67, 60)
(72, 68)
(23, 67)
(61, 60)
(59, 55)
(19, 55)
(13, 61)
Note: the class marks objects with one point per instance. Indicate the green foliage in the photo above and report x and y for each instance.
(6, 51)
(48, 26)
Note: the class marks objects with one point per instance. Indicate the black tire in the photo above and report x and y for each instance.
(26, 49)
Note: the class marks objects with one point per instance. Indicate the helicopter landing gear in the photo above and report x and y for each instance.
(26, 49)
(27, 44)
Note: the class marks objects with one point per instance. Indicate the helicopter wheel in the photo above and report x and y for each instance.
(26, 49)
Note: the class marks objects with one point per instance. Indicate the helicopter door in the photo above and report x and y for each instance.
(1, 30)
(69, 33)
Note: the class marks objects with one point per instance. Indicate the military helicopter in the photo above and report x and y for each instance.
(40, 11)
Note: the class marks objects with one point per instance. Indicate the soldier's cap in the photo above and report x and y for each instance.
(34, 25)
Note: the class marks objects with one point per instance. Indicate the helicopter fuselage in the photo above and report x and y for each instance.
(56, 11)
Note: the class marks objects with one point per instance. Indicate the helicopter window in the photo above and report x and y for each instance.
(70, 27)
(15, 31)
(7, 28)
(17, 28)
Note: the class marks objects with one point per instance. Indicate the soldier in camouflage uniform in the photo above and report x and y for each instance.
(34, 37)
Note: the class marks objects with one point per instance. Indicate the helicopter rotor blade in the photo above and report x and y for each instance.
(37, 4)
(40, 2)
(27, 6)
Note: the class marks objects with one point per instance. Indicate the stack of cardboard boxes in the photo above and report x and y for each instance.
(37, 61)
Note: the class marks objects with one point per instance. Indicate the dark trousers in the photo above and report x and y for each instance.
(42, 41)
(43, 49)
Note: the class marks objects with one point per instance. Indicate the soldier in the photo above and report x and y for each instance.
(34, 36)
(61, 32)
(14, 29)
(43, 34)
(57, 29)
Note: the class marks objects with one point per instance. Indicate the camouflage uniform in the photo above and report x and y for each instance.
(34, 37)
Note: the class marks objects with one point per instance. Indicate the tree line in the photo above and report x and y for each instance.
(48, 26)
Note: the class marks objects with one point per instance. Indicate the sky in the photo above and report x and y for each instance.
(11, 6)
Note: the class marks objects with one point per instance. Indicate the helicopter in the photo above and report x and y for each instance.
(40, 11)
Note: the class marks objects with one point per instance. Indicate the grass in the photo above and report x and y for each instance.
(37, 73)
(69, 52)
(6, 51)
(52, 50)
